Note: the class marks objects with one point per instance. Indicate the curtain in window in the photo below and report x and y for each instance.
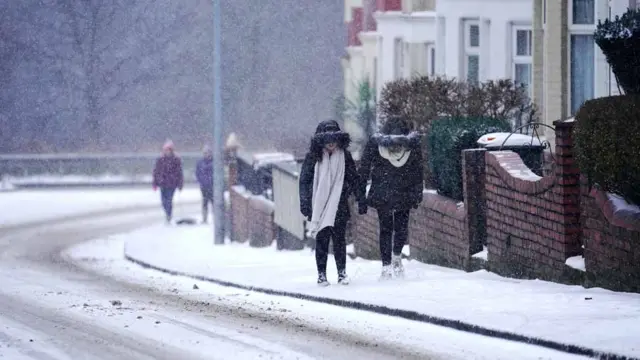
(584, 12)
(523, 76)
(398, 59)
(582, 70)
(473, 69)
(433, 61)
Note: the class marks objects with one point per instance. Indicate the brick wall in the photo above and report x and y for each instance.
(611, 238)
(251, 218)
(262, 228)
(239, 214)
(533, 222)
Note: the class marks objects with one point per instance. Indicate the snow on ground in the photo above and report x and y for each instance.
(106, 256)
(38, 205)
(77, 179)
(595, 318)
(5, 185)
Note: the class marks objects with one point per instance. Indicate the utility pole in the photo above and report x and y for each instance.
(218, 143)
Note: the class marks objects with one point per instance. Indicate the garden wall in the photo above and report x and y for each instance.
(533, 222)
(611, 237)
(251, 218)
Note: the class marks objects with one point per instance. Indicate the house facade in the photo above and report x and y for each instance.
(479, 40)
(547, 45)
(568, 66)
(406, 40)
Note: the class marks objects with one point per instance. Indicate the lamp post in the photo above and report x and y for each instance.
(218, 154)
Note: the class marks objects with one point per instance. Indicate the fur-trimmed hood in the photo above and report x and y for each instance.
(410, 141)
(327, 132)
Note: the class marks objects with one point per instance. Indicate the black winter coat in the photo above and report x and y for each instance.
(392, 188)
(328, 131)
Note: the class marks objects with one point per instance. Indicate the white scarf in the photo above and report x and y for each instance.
(397, 159)
(328, 180)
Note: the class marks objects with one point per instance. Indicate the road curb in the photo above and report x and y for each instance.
(404, 314)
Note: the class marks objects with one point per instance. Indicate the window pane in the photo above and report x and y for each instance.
(433, 61)
(473, 69)
(398, 59)
(584, 12)
(523, 76)
(582, 70)
(474, 35)
(523, 42)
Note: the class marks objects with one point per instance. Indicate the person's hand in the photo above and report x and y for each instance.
(362, 208)
(155, 187)
(306, 213)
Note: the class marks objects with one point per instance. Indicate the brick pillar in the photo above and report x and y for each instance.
(568, 188)
(473, 184)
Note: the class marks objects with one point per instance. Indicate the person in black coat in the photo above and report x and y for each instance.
(327, 178)
(392, 159)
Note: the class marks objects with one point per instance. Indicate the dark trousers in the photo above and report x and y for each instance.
(337, 233)
(207, 197)
(166, 195)
(390, 222)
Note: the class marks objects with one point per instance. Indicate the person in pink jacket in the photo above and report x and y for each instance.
(168, 176)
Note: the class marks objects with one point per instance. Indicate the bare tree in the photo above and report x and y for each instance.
(102, 50)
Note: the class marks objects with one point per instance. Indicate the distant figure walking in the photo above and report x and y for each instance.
(327, 178)
(168, 176)
(393, 161)
(204, 174)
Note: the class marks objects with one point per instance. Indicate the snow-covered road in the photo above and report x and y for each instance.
(52, 309)
(63, 296)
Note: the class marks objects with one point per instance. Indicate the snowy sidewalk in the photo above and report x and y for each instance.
(593, 318)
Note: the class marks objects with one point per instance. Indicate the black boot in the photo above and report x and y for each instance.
(322, 279)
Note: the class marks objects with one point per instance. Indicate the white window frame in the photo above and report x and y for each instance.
(522, 59)
(580, 29)
(471, 50)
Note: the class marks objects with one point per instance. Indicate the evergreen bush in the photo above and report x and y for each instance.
(446, 140)
(607, 145)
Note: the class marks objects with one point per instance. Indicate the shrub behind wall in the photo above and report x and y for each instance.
(608, 144)
(446, 140)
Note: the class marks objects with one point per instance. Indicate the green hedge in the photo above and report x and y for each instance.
(607, 144)
(446, 140)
